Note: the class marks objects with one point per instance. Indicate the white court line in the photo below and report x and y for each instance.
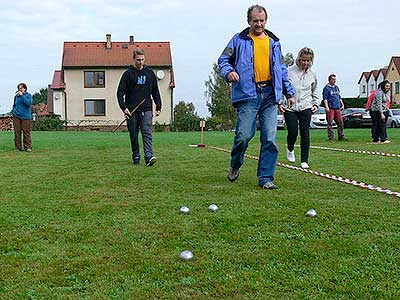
(325, 175)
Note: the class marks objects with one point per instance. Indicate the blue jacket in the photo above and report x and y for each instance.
(22, 106)
(239, 56)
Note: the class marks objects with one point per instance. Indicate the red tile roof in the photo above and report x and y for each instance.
(383, 71)
(95, 54)
(40, 109)
(364, 74)
(375, 73)
(57, 81)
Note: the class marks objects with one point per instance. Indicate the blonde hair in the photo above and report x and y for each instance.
(305, 51)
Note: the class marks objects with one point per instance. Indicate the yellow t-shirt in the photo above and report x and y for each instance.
(262, 67)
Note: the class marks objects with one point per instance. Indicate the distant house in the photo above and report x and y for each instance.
(84, 90)
(393, 75)
(55, 95)
(369, 81)
(39, 110)
(363, 84)
(381, 76)
(372, 81)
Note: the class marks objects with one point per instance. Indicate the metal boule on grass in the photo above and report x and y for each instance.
(213, 208)
(184, 210)
(186, 255)
(311, 213)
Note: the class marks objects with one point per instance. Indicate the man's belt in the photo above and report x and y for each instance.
(262, 84)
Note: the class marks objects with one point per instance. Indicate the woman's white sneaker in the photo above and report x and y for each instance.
(304, 165)
(290, 156)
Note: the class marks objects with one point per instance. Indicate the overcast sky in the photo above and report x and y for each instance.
(348, 36)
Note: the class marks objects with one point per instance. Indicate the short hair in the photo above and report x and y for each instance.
(330, 77)
(23, 85)
(138, 51)
(383, 83)
(259, 8)
(305, 51)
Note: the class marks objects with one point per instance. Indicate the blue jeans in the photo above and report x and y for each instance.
(265, 107)
(143, 121)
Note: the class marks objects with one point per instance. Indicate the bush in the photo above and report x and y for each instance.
(355, 102)
(48, 123)
(162, 127)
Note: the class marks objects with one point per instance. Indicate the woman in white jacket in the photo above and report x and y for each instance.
(298, 113)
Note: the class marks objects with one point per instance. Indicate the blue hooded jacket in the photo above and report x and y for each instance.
(239, 56)
(22, 106)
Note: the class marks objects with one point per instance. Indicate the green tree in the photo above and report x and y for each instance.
(40, 97)
(185, 117)
(218, 94)
(289, 60)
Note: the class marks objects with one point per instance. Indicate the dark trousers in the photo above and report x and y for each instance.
(379, 132)
(22, 127)
(299, 120)
(143, 121)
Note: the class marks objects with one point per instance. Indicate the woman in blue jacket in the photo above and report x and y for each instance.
(22, 118)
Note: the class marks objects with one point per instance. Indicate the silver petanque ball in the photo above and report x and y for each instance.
(213, 208)
(311, 213)
(184, 210)
(186, 255)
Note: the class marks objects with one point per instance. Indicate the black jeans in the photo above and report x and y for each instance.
(143, 121)
(299, 120)
(379, 132)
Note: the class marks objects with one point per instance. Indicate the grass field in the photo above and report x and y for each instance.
(79, 221)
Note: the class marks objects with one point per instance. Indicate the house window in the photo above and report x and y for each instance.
(95, 107)
(397, 88)
(363, 89)
(94, 79)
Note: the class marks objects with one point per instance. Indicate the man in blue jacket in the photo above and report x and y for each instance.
(253, 62)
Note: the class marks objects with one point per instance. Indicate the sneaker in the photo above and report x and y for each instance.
(386, 142)
(290, 156)
(233, 174)
(304, 165)
(343, 139)
(136, 159)
(269, 186)
(151, 161)
(28, 150)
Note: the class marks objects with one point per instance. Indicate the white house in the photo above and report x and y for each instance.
(363, 84)
(84, 90)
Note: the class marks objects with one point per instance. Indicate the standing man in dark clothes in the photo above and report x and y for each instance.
(136, 84)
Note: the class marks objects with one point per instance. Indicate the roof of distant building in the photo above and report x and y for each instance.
(96, 54)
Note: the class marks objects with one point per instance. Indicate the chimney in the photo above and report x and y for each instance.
(131, 40)
(108, 41)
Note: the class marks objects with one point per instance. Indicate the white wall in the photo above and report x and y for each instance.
(371, 84)
(363, 82)
(58, 103)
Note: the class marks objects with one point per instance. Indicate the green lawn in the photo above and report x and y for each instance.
(79, 221)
